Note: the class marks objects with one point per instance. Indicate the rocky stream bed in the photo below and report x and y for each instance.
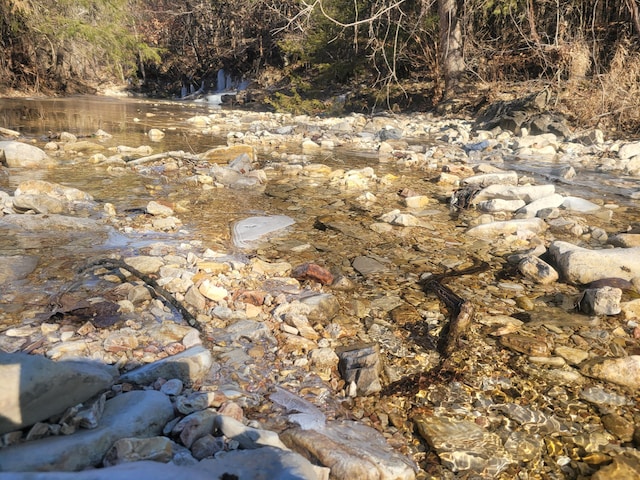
(456, 305)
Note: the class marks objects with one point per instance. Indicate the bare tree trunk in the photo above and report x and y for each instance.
(635, 15)
(450, 44)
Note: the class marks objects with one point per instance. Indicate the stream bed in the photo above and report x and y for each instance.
(366, 202)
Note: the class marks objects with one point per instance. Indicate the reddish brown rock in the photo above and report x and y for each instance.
(311, 271)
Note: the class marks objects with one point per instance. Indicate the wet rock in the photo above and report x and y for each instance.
(600, 396)
(132, 414)
(619, 426)
(53, 190)
(226, 154)
(251, 229)
(623, 467)
(360, 365)
(601, 301)
(573, 356)
(323, 307)
(351, 450)
(188, 366)
(527, 345)
(157, 209)
(145, 263)
(521, 227)
(366, 265)
(52, 222)
(311, 271)
(621, 371)
(537, 270)
(40, 204)
(18, 154)
(35, 388)
(582, 266)
(462, 445)
(16, 267)
(124, 450)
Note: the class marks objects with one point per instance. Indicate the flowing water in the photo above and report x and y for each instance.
(332, 227)
(128, 121)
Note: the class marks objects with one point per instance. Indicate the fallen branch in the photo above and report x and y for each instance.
(116, 263)
(178, 155)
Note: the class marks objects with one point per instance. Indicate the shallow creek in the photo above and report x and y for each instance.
(334, 225)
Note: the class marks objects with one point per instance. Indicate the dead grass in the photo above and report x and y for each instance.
(611, 100)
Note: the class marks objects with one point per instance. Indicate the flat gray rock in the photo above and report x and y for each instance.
(188, 366)
(35, 388)
(16, 267)
(251, 229)
(134, 414)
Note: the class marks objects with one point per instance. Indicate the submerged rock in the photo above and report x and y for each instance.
(351, 450)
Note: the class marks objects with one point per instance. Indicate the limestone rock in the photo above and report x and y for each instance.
(537, 270)
(552, 201)
(491, 230)
(464, 446)
(247, 437)
(582, 266)
(145, 263)
(351, 450)
(35, 388)
(621, 371)
(158, 449)
(361, 365)
(133, 414)
(190, 365)
(16, 267)
(18, 154)
(601, 301)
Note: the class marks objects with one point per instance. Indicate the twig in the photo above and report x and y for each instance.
(117, 263)
(180, 155)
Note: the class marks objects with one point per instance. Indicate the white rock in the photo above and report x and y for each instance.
(537, 270)
(628, 150)
(578, 204)
(500, 205)
(623, 371)
(552, 201)
(504, 178)
(525, 226)
(155, 208)
(18, 154)
(582, 266)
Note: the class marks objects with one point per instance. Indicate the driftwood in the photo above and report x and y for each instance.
(179, 155)
(116, 263)
(461, 310)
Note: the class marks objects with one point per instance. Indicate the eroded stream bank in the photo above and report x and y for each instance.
(330, 307)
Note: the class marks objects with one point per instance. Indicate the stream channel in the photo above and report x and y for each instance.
(340, 218)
